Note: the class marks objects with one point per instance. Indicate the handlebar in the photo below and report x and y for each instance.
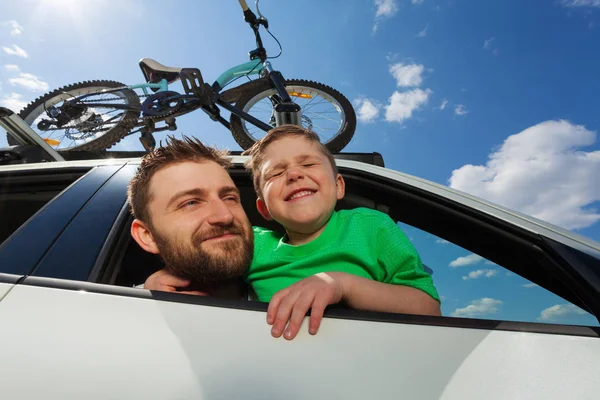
(255, 24)
(243, 5)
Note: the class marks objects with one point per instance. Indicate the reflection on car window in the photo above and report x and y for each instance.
(22, 195)
(472, 287)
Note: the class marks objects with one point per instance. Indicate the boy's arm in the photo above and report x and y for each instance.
(365, 294)
(289, 306)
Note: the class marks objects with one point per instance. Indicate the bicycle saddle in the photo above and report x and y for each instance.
(154, 71)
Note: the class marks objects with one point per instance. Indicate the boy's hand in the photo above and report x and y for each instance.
(162, 280)
(292, 303)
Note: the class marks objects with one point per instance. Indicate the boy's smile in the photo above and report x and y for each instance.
(299, 187)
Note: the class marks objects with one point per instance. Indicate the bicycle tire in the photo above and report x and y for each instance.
(104, 141)
(335, 145)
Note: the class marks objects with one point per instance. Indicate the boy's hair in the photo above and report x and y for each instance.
(176, 151)
(257, 151)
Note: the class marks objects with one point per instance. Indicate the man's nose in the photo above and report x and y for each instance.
(220, 214)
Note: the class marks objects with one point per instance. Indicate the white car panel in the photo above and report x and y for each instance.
(76, 344)
(4, 289)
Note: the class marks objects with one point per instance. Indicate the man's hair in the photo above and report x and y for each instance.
(176, 151)
(257, 151)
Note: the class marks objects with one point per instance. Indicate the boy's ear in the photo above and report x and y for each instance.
(340, 186)
(142, 235)
(262, 209)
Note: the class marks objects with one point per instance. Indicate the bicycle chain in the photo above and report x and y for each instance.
(142, 119)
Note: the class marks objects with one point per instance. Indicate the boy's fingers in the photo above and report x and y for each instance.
(298, 313)
(274, 305)
(316, 314)
(283, 314)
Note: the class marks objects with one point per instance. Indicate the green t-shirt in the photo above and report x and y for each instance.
(362, 241)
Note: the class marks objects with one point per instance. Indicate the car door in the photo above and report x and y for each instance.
(98, 341)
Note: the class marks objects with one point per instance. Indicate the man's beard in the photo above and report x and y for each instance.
(209, 264)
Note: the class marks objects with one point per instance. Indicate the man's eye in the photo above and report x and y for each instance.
(231, 199)
(189, 203)
(308, 164)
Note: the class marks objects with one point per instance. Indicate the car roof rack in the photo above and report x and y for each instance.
(374, 158)
(33, 149)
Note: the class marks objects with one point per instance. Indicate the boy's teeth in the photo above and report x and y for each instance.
(300, 194)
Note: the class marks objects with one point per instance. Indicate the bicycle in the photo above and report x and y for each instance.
(95, 115)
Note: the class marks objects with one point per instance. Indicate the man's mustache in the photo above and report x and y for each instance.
(216, 232)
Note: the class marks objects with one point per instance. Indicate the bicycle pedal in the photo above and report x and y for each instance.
(193, 84)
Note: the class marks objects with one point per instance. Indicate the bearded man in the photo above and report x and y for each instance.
(188, 210)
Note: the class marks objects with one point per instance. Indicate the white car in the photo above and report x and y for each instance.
(73, 326)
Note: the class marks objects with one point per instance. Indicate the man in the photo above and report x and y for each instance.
(188, 210)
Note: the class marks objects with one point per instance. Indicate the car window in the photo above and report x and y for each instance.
(22, 194)
(471, 286)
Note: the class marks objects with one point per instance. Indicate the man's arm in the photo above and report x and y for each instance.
(162, 280)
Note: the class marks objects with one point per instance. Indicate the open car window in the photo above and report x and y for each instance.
(471, 286)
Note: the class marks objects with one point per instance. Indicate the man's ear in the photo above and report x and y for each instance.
(142, 235)
(262, 209)
(340, 186)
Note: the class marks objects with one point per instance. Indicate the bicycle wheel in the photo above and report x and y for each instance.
(83, 126)
(325, 111)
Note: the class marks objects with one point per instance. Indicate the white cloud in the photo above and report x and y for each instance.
(558, 311)
(407, 75)
(581, 3)
(13, 101)
(15, 51)
(11, 67)
(417, 1)
(29, 81)
(460, 110)
(423, 33)
(441, 241)
(487, 44)
(478, 308)
(466, 260)
(540, 172)
(15, 28)
(386, 8)
(368, 110)
(530, 285)
(444, 104)
(402, 104)
(480, 273)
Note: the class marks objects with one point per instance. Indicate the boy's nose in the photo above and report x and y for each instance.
(294, 173)
(220, 214)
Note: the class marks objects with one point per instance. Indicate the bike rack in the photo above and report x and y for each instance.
(25, 136)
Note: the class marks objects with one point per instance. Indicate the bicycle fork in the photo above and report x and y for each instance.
(286, 112)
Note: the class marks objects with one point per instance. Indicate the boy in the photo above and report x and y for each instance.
(357, 256)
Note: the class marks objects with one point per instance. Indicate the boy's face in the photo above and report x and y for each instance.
(299, 187)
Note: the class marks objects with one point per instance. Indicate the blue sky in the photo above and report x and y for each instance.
(496, 98)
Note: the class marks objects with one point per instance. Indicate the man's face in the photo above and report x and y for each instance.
(198, 223)
(298, 184)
